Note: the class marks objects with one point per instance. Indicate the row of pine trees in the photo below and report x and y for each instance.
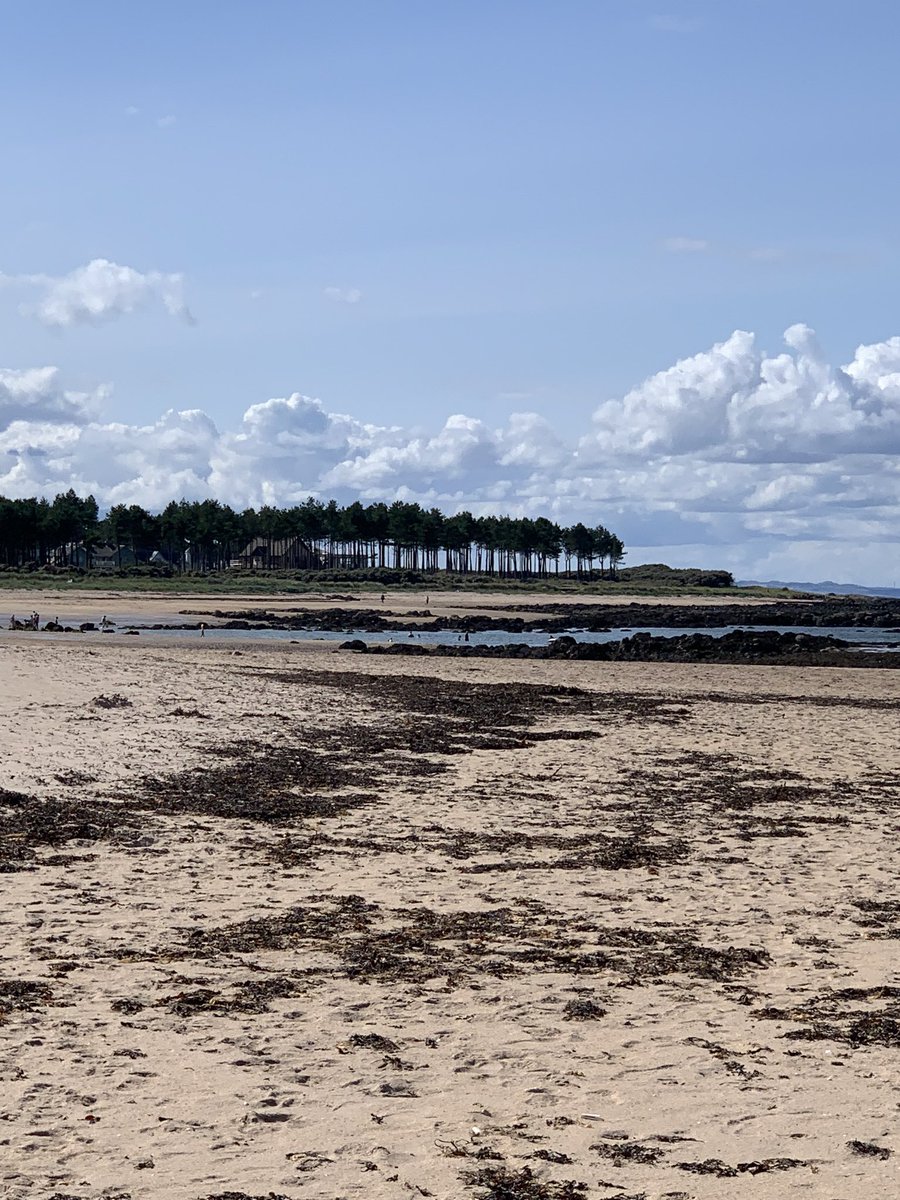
(207, 535)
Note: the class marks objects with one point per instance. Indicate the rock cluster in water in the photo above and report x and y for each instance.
(866, 612)
(741, 645)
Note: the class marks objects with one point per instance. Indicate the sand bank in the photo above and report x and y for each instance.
(352, 927)
(72, 604)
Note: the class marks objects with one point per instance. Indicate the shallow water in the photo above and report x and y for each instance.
(880, 639)
(862, 638)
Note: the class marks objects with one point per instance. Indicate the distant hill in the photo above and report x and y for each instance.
(825, 587)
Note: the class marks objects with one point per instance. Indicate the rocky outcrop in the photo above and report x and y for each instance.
(829, 612)
(740, 646)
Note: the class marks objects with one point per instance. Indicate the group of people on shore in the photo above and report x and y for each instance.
(32, 622)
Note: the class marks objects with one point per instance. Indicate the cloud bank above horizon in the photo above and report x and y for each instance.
(773, 465)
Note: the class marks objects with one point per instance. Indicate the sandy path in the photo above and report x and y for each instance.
(171, 1096)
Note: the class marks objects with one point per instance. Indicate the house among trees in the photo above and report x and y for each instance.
(293, 554)
(89, 557)
(278, 554)
(206, 535)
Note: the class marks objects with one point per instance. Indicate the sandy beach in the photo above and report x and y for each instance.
(280, 919)
(73, 605)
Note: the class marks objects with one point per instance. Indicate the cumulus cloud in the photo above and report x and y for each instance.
(739, 452)
(735, 402)
(36, 395)
(99, 291)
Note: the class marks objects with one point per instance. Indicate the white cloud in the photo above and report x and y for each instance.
(734, 402)
(36, 395)
(685, 245)
(167, 121)
(99, 291)
(343, 295)
(749, 456)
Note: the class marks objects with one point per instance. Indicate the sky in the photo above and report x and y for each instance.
(616, 261)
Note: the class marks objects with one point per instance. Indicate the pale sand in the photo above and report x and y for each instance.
(89, 1092)
(72, 605)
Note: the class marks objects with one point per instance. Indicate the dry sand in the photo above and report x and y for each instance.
(706, 854)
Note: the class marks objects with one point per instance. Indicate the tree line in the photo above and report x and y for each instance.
(206, 535)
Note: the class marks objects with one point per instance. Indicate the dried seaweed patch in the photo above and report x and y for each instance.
(830, 1017)
(22, 995)
(501, 1183)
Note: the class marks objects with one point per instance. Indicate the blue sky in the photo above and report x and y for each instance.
(414, 210)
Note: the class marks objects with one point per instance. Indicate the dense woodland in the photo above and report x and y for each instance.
(209, 536)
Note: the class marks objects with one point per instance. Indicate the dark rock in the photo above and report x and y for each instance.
(762, 646)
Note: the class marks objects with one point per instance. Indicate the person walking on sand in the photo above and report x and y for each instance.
(382, 597)
(202, 629)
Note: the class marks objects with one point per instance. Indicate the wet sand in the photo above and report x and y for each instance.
(72, 605)
(287, 920)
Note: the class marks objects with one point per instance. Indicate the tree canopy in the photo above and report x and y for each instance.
(208, 535)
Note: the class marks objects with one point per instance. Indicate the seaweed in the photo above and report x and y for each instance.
(373, 1041)
(869, 1149)
(251, 996)
(828, 1017)
(22, 995)
(370, 943)
(583, 1010)
(115, 700)
(623, 1153)
(245, 1196)
(500, 1183)
(28, 823)
(330, 771)
(722, 1170)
